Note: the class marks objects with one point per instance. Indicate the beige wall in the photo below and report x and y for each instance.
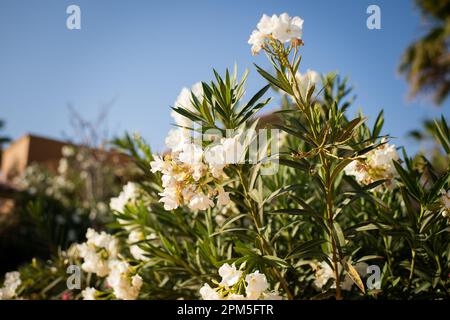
(31, 149)
(27, 150)
(15, 157)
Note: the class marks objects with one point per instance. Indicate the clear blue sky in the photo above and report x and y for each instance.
(139, 54)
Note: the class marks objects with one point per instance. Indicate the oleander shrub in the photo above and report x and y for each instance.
(313, 204)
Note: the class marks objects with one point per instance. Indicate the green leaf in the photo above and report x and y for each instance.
(370, 257)
(339, 234)
(275, 261)
(354, 275)
(300, 164)
(378, 125)
(290, 211)
(272, 80)
(281, 191)
(307, 249)
(253, 100)
(409, 182)
(442, 133)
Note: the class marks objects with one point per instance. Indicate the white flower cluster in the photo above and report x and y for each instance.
(68, 151)
(126, 286)
(100, 254)
(445, 198)
(134, 237)
(377, 165)
(37, 180)
(324, 272)
(10, 285)
(192, 176)
(128, 194)
(89, 293)
(255, 284)
(184, 101)
(98, 251)
(282, 28)
(305, 81)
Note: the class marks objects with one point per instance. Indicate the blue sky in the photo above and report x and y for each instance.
(137, 55)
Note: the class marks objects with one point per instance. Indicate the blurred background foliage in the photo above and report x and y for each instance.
(426, 62)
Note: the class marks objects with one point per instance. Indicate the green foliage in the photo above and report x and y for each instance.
(425, 63)
(312, 215)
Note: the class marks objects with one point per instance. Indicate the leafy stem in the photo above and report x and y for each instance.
(326, 173)
(266, 248)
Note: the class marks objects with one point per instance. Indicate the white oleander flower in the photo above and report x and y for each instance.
(271, 296)
(230, 286)
(445, 198)
(266, 24)
(89, 293)
(307, 80)
(286, 28)
(158, 164)
(177, 138)
(377, 165)
(169, 180)
(220, 219)
(257, 41)
(323, 273)
(358, 170)
(169, 198)
(256, 285)
(191, 154)
(10, 285)
(209, 293)
(129, 193)
(382, 158)
(198, 171)
(193, 177)
(230, 275)
(137, 252)
(67, 151)
(97, 252)
(63, 166)
(125, 286)
(200, 201)
(282, 28)
(93, 262)
(223, 197)
(232, 150)
(214, 156)
(103, 240)
(228, 151)
(184, 101)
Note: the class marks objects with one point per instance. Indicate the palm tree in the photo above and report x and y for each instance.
(426, 62)
(3, 139)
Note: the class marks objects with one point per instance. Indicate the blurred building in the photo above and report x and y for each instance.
(27, 150)
(33, 149)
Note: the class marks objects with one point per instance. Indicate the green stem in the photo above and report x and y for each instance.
(330, 220)
(326, 174)
(266, 247)
(388, 256)
(411, 271)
